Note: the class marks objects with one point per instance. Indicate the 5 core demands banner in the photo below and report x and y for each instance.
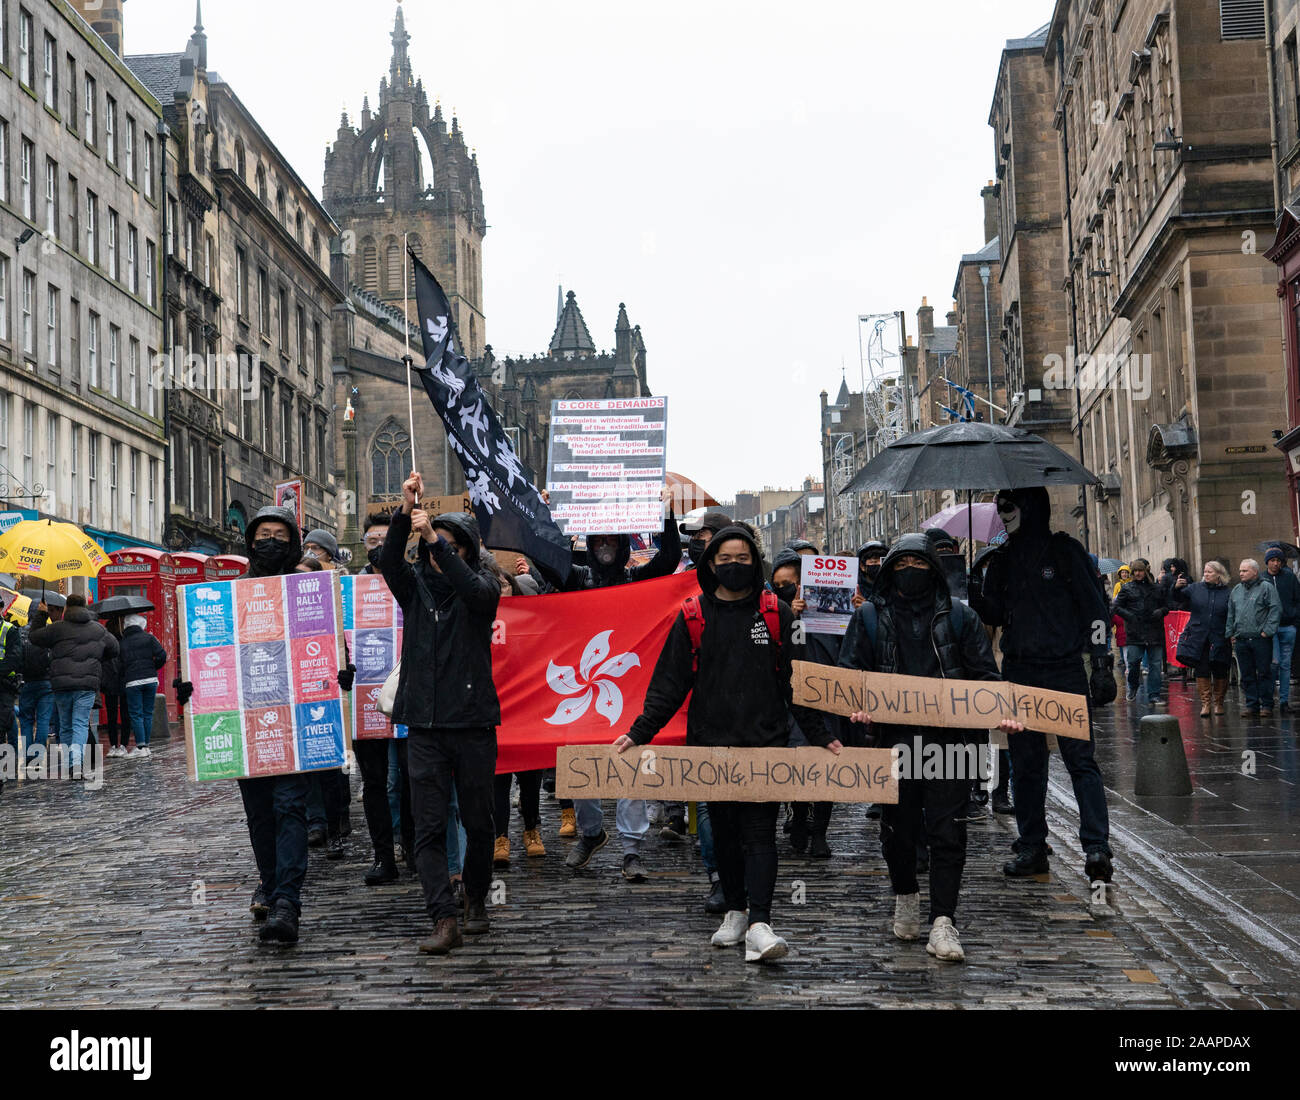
(263, 655)
(607, 464)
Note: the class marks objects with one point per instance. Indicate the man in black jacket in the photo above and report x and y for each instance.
(912, 627)
(1143, 605)
(740, 696)
(1040, 589)
(446, 698)
(11, 661)
(1288, 592)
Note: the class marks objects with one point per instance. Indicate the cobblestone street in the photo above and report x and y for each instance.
(105, 914)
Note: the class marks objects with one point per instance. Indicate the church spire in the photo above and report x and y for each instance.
(400, 68)
(199, 40)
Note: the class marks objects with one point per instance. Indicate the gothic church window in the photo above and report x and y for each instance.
(261, 184)
(393, 268)
(390, 460)
(369, 265)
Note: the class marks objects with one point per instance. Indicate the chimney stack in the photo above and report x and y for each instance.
(952, 315)
(925, 318)
(105, 19)
(989, 193)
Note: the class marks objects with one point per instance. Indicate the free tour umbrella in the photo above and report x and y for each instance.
(121, 605)
(978, 521)
(50, 551)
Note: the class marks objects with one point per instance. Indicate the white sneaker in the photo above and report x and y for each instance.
(733, 928)
(762, 944)
(116, 750)
(944, 943)
(907, 916)
(128, 753)
(143, 750)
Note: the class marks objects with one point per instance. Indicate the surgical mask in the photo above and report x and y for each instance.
(911, 581)
(605, 554)
(735, 576)
(786, 592)
(374, 555)
(695, 549)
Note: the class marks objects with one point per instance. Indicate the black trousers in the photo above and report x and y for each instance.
(118, 721)
(276, 807)
(372, 760)
(435, 757)
(903, 826)
(530, 801)
(821, 815)
(744, 848)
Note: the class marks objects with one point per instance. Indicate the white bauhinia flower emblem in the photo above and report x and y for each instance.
(591, 684)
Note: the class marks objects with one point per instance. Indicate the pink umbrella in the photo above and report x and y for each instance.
(982, 522)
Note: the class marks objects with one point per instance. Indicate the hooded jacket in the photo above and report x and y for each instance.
(1288, 592)
(1040, 588)
(293, 548)
(1143, 606)
(142, 655)
(958, 646)
(78, 646)
(595, 575)
(446, 676)
(740, 694)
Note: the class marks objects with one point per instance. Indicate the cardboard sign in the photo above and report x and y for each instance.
(435, 506)
(607, 464)
(696, 774)
(827, 587)
(932, 701)
(263, 654)
(372, 625)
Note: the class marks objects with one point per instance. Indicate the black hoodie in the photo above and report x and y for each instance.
(292, 550)
(741, 693)
(595, 575)
(1041, 589)
(446, 677)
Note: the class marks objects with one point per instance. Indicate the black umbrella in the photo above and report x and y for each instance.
(121, 605)
(968, 455)
(48, 597)
(1289, 549)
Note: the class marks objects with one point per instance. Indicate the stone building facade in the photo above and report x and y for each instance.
(81, 430)
(1162, 115)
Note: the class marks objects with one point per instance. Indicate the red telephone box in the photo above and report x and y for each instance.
(190, 568)
(227, 567)
(141, 571)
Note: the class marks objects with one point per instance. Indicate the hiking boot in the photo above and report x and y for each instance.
(501, 852)
(445, 936)
(334, 849)
(674, 829)
(732, 930)
(282, 925)
(259, 906)
(818, 848)
(317, 836)
(382, 872)
(716, 902)
(975, 811)
(568, 823)
(633, 870)
(944, 943)
(586, 847)
(533, 846)
(476, 918)
(1097, 867)
(1025, 865)
(763, 945)
(458, 893)
(907, 916)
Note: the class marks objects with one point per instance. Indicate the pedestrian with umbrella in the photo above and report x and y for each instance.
(142, 656)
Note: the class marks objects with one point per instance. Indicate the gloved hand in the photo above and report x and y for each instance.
(347, 676)
(1102, 688)
(184, 689)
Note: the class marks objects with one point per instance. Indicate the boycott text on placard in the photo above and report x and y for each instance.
(928, 701)
(699, 774)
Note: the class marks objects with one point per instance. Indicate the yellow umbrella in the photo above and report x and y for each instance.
(17, 606)
(49, 551)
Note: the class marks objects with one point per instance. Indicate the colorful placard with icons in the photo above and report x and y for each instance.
(372, 624)
(263, 654)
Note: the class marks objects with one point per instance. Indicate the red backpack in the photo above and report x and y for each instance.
(693, 610)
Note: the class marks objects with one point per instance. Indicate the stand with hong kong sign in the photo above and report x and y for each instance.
(607, 465)
(263, 654)
(372, 625)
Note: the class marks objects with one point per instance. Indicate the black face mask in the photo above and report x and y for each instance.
(911, 581)
(871, 572)
(735, 576)
(786, 592)
(374, 555)
(271, 555)
(695, 549)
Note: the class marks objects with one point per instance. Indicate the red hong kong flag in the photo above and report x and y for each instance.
(572, 668)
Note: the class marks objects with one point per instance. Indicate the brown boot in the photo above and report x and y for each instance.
(1207, 694)
(446, 935)
(1220, 690)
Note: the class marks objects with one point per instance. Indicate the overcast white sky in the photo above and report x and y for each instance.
(747, 176)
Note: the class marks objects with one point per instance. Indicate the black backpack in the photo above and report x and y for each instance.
(36, 659)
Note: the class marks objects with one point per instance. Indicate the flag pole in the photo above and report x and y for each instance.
(406, 330)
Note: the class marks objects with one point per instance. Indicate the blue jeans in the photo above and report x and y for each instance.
(139, 705)
(35, 706)
(276, 808)
(1253, 667)
(1155, 656)
(630, 819)
(74, 721)
(1283, 647)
